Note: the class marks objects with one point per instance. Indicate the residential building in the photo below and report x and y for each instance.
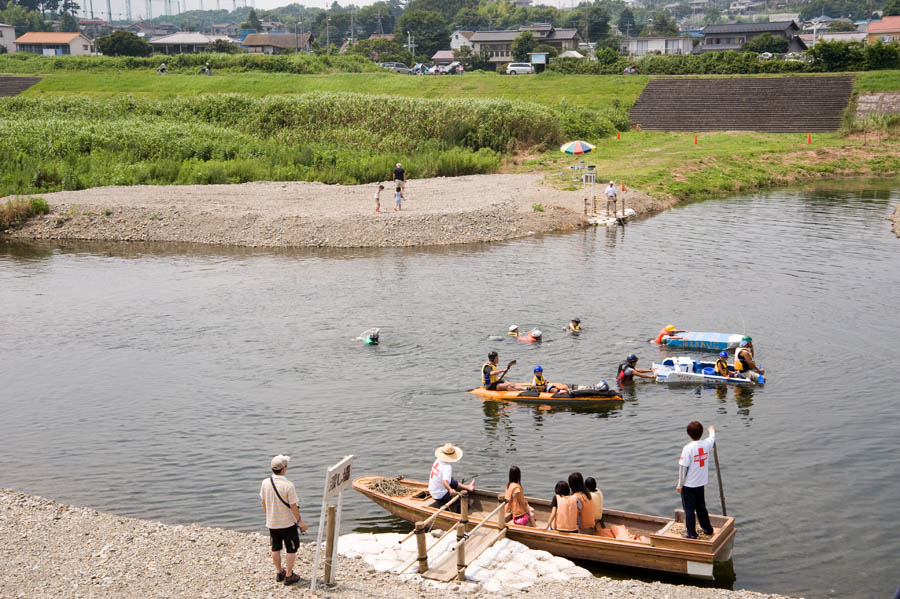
(495, 46)
(54, 43)
(272, 26)
(885, 30)
(833, 36)
(277, 43)
(146, 29)
(185, 42)
(92, 28)
(226, 28)
(731, 36)
(458, 39)
(442, 57)
(382, 36)
(639, 46)
(7, 37)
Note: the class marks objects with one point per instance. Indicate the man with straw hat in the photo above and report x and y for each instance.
(441, 481)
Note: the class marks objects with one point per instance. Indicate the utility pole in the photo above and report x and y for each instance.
(327, 34)
(149, 9)
(91, 5)
(380, 29)
(128, 10)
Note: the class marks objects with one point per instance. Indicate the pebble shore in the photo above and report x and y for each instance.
(53, 550)
(439, 211)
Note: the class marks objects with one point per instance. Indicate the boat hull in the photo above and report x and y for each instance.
(575, 398)
(664, 553)
(704, 341)
(686, 370)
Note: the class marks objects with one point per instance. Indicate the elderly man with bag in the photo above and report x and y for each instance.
(280, 503)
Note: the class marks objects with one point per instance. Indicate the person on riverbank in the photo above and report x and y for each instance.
(743, 361)
(611, 198)
(628, 370)
(378, 198)
(399, 177)
(280, 504)
(586, 511)
(398, 199)
(517, 505)
(491, 375)
(564, 509)
(693, 474)
(597, 500)
(441, 484)
(668, 331)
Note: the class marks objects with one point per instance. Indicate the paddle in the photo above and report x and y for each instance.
(508, 366)
(719, 477)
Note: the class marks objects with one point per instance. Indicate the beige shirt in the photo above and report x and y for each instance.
(597, 500)
(278, 515)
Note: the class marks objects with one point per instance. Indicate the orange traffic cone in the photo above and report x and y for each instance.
(623, 186)
(618, 136)
(808, 138)
(695, 140)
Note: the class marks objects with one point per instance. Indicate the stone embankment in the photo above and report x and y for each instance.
(437, 211)
(54, 550)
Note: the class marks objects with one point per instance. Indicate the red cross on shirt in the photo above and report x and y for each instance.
(701, 457)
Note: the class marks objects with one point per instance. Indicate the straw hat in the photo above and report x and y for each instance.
(448, 453)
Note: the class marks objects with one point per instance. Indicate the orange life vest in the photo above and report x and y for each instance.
(516, 497)
(567, 513)
(587, 511)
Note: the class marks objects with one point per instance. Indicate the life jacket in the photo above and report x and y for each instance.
(597, 504)
(487, 379)
(577, 327)
(539, 381)
(621, 376)
(587, 511)
(722, 367)
(567, 513)
(516, 497)
(529, 338)
(662, 333)
(738, 365)
(513, 333)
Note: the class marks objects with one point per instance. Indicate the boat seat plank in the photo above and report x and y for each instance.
(445, 568)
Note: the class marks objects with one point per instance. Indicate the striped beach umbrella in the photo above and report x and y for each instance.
(576, 147)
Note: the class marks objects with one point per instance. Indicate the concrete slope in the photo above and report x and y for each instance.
(13, 86)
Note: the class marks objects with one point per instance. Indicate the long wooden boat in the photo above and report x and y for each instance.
(664, 549)
(580, 397)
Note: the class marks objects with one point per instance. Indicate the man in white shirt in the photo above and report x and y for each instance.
(441, 482)
(279, 502)
(693, 474)
(611, 197)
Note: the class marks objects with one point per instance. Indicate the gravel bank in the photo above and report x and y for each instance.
(300, 214)
(54, 550)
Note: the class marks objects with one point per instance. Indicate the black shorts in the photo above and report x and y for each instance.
(290, 537)
(492, 386)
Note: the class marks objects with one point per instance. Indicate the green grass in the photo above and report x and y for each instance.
(878, 81)
(588, 91)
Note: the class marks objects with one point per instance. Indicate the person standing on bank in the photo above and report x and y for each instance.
(693, 474)
(399, 178)
(441, 482)
(280, 503)
(611, 198)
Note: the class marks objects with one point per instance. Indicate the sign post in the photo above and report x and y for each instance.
(336, 480)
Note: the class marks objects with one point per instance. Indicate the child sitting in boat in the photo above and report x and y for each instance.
(564, 509)
(539, 383)
(517, 505)
(596, 499)
(586, 511)
(722, 365)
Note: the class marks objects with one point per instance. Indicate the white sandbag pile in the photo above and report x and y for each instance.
(507, 566)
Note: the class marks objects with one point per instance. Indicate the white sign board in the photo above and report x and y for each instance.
(336, 480)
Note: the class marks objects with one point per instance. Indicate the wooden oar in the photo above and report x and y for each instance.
(719, 477)
(508, 366)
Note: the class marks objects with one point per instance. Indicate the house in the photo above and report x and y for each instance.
(7, 37)
(495, 46)
(146, 29)
(277, 43)
(458, 39)
(92, 27)
(639, 46)
(832, 36)
(54, 43)
(442, 57)
(270, 26)
(382, 36)
(185, 42)
(731, 36)
(885, 30)
(226, 28)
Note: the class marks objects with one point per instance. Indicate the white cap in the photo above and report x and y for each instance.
(398, 165)
(612, 182)
(536, 333)
(512, 328)
(279, 462)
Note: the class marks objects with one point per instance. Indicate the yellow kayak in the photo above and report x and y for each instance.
(573, 397)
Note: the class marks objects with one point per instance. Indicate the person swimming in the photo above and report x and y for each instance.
(370, 337)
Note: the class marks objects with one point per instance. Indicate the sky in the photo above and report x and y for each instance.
(139, 7)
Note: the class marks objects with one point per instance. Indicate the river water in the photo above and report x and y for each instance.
(157, 381)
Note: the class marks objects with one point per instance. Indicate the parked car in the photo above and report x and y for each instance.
(519, 68)
(397, 67)
(454, 68)
(420, 68)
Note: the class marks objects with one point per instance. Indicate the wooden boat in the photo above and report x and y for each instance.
(578, 397)
(666, 551)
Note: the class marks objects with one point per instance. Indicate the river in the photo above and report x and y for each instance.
(158, 381)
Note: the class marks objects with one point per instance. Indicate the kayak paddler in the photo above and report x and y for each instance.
(574, 326)
(533, 336)
(539, 383)
(722, 365)
(743, 360)
(491, 375)
(628, 370)
(668, 331)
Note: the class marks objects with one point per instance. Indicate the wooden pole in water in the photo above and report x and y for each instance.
(463, 515)
(461, 552)
(421, 551)
(719, 477)
(329, 540)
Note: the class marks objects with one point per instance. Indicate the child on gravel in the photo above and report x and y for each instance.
(378, 198)
(398, 198)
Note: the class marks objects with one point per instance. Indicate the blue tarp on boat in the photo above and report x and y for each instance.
(705, 341)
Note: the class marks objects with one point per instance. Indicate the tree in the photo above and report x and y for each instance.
(766, 43)
(882, 56)
(660, 25)
(224, 47)
(123, 43)
(712, 16)
(68, 23)
(838, 56)
(524, 43)
(469, 18)
(892, 8)
(381, 50)
(550, 50)
(626, 22)
(252, 21)
(429, 30)
(70, 7)
(841, 26)
(469, 60)
(597, 23)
